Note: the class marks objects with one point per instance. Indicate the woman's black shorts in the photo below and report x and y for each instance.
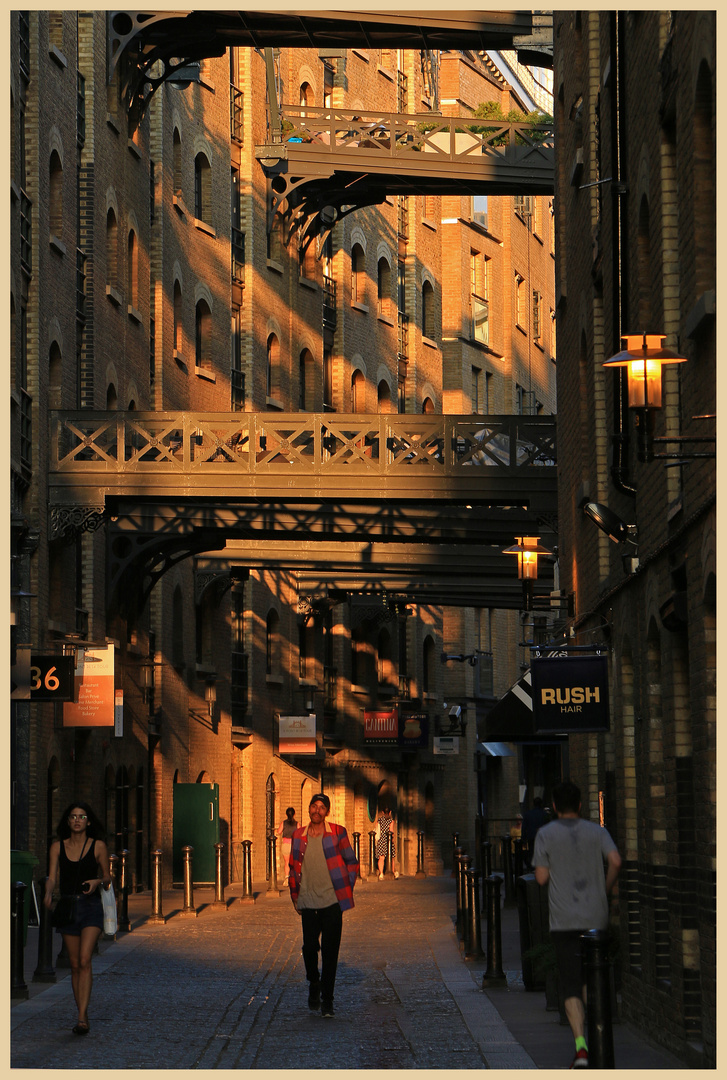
(89, 912)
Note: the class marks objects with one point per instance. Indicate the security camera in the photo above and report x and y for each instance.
(455, 711)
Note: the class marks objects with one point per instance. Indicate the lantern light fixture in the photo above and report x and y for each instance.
(527, 550)
(643, 355)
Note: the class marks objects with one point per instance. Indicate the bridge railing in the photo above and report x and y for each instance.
(402, 134)
(197, 444)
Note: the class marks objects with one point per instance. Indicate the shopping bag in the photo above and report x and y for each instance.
(109, 910)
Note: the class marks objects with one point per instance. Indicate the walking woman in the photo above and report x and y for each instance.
(384, 827)
(79, 864)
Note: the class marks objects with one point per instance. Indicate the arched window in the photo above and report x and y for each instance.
(112, 248)
(177, 317)
(202, 188)
(384, 397)
(307, 97)
(358, 275)
(273, 364)
(177, 162)
(55, 200)
(384, 287)
(203, 336)
(132, 271)
(307, 382)
(358, 392)
(112, 400)
(427, 405)
(272, 644)
(55, 377)
(428, 678)
(428, 325)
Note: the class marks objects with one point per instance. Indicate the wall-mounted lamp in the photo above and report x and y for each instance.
(643, 355)
(527, 550)
(210, 695)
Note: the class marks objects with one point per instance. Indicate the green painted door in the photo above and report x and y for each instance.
(196, 823)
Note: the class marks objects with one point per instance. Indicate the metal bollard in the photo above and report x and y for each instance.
(494, 975)
(598, 989)
(372, 853)
(189, 910)
(507, 870)
(518, 860)
(459, 888)
(420, 854)
(357, 852)
(466, 864)
(219, 900)
(455, 847)
(124, 922)
(156, 889)
(389, 853)
(473, 948)
(247, 893)
(44, 971)
(486, 853)
(18, 988)
(273, 879)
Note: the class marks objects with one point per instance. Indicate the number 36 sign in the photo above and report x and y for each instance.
(51, 678)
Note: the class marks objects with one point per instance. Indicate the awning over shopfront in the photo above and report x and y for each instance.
(511, 718)
(495, 749)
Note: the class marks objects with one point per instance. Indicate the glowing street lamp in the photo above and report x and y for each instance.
(643, 355)
(527, 550)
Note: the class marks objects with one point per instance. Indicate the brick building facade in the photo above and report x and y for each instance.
(636, 134)
(144, 277)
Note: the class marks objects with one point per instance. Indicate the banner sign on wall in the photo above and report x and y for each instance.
(381, 726)
(413, 731)
(94, 689)
(297, 734)
(570, 693)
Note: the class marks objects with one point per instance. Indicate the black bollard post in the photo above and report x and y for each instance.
(156, 889)
(44, 971)
(247, 893)
(18, 988)
(598, 989)
(518, 860)
(357, 853)
(494, 975)
(389, 853)
(459, 871)
(372, 853)
(507, 870)
(124, 922)
(466, 863)
(219, 900)
(455, 848)
(486, 849)
(273, 879)
(189, 910)
(420, 854)
(473, 948)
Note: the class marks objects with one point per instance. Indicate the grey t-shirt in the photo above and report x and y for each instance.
(574, 850)
(316, 887)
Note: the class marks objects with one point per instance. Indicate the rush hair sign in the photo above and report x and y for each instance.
(570, 693)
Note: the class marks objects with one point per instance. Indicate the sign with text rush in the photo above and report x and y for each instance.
(570, 693)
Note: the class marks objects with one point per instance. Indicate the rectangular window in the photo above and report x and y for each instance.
(524, 208)
(80, 109)
(477, 382)
(537, 320)
(237, 376)
(488, 393)
(479, 210)
(520, 306)
(480, 305)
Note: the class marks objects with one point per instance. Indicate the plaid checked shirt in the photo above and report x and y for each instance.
(340, 859)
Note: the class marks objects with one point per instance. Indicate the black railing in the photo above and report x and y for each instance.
(403, 217)
(329, 302)
(401, 85)
(24, 27)
(237, 255)
(26, 233)
(236, 118)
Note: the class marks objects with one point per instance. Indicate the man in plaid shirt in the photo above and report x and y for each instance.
(323, 872)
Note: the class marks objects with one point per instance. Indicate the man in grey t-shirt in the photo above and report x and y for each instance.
(569, 857)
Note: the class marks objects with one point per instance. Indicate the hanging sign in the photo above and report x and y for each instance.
(570, 693)
(381, 726)
(51, 678)
(94, 704)
(413, 731)
(297, 734)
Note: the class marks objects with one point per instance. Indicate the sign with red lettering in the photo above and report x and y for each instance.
(570, 693)
(381, 726)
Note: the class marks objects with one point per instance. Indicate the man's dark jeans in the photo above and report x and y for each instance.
(326, 924)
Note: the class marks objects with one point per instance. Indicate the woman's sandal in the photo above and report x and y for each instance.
(81, 1028)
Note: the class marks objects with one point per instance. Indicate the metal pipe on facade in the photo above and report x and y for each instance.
(18, 988)
(389, 853)
(189, 909)
(44, 971)
(247, 893)
(123, 895)
(473, 938)
(156, 889)
(598, 987)
(219, 900)
(494, 975)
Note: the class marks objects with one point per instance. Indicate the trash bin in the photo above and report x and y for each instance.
(21, 869)
(532, 904)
